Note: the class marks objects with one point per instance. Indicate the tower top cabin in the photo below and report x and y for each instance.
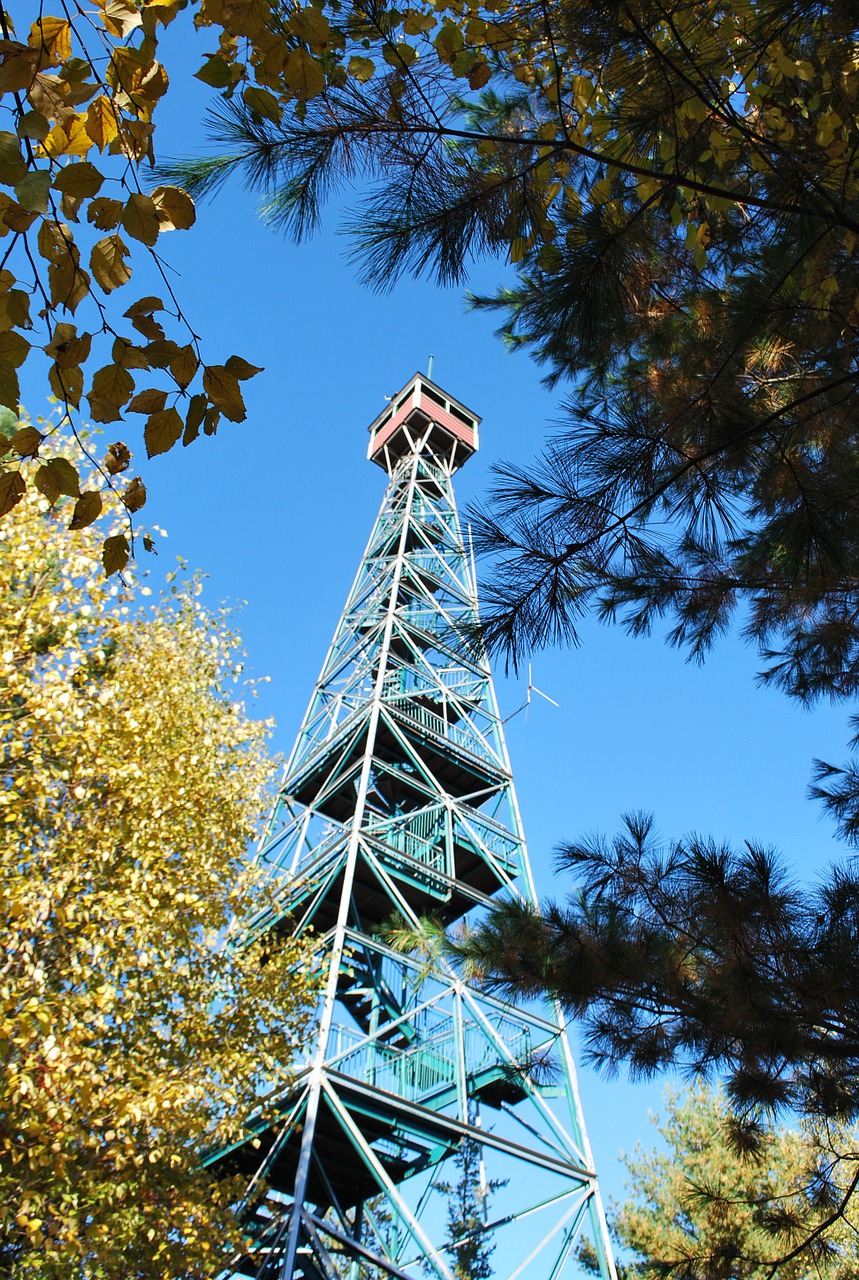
(423, 417)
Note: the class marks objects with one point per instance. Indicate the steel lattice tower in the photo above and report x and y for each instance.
(398, 804)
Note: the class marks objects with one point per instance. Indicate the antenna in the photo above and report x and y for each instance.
(429, 366)
(532, 688)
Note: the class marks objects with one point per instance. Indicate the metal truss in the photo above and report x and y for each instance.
(397, 806)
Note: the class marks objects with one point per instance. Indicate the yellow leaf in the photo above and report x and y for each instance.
(126, 69)
(45, 482)
(67, 383)
(12, 490)
(55, 143)
(124, 352)
(14, 310)
(143, 307)
(115, 553)
(49, 95)
(26, 441)
(448, 41)
(184, 365)
(399, 55)
(418, 23)
(479, 75)
(120, 17)
(87, 509)
(61, 476)
(112, 384)
(69, 139)
(18, 69)
(140, 218)
(10, 389)
(222, 387)
(104, 213)
(601, 191)
(102, 410)
(153, 83)
(52, 37)
(361, 68)
(117, 458)
(263, 103)
(135, 495)
(272, 63)
(70, 207)
(648, 188)
(518, 249)
(149, 327)
(55, 241)
(107, 262)
(33, 190)
(101, 122)
(161, 432)
(17, 218)
(174, 207)
(242, 368)
(194, 419)
(303, 74)
(81, 180)
(160, 352)
(214, 72)
(149, 401)
(312, 26)
(14, 349)
(135, 140)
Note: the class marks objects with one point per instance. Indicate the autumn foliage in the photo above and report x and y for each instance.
(674, 182)
(76, 213)
(696, 1208)
(132, 1034)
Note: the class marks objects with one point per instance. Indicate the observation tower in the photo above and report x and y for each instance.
(435, 1129)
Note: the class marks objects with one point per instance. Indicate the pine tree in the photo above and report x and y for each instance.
(675, 185)
(696, 1210)
(468, 1241)
(698, 957)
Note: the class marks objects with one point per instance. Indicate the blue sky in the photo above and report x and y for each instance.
(277, 510)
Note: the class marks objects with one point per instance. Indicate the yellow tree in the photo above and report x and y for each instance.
(696, 1210)
(131, 1033)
